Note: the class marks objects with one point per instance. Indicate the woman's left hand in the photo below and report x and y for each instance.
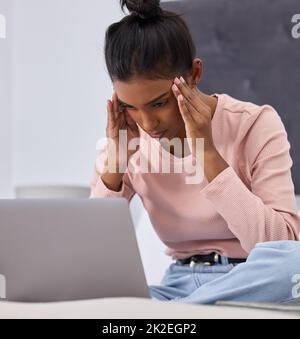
(196, 115)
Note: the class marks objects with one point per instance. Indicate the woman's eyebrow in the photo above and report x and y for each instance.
(148, 103)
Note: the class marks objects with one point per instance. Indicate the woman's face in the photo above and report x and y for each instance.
(152, 105)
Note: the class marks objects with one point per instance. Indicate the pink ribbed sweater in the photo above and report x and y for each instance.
(251, 201)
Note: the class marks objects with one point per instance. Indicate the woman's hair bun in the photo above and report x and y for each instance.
(145, 9)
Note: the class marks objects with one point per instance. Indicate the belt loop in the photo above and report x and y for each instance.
(224, 260)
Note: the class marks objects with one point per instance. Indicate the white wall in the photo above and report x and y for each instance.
(6, 132)
(60, 88)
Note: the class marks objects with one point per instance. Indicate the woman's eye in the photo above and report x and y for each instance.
(156, 105)
(125, 107)
(159, 104)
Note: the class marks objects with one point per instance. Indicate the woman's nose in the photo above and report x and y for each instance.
(149, 123)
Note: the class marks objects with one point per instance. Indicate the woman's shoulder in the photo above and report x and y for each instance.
(244, 115)
(248, 108)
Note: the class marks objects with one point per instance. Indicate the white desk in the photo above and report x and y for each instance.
(132, 308)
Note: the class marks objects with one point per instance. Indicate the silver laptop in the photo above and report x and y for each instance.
(62, 249)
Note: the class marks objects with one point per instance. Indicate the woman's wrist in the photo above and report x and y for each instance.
(214, 164)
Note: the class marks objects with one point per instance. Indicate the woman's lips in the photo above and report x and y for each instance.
(158, 135)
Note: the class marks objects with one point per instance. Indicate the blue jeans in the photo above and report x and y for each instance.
(271, 274)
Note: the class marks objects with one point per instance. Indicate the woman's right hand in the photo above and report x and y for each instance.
(119, 119)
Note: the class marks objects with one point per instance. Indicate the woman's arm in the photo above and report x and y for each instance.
(268, 212)
(214, 164)
(104, 184)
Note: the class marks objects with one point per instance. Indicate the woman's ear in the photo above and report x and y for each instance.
(196, 73)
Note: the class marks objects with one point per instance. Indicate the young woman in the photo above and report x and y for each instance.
(232, 235)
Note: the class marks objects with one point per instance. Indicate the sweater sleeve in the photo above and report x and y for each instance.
(267, 212)
(100, 190)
